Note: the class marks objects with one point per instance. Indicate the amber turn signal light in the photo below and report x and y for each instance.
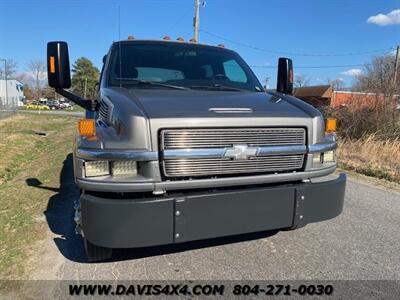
(52, 64)
(87, 127)
(330, 125)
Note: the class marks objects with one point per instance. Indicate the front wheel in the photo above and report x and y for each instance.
(293, 227)
(96, 253)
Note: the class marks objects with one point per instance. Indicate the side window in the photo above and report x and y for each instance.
(234, 72)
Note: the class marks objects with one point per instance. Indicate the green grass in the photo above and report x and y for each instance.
(23, 154)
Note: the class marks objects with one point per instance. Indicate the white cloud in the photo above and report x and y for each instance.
(352, 72)
(391, 18)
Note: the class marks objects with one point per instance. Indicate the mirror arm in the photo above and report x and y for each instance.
(84, 103)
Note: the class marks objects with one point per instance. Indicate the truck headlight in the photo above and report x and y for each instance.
(97, 168)
(329, 157)
(127, 167)
(323, 158)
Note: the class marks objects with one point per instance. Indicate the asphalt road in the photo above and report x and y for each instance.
(362, 243)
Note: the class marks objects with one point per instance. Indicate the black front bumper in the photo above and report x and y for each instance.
(126, 223)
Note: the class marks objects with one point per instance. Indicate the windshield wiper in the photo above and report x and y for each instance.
(153, 83)
(216, 87)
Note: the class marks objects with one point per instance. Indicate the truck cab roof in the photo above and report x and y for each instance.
(166, 41)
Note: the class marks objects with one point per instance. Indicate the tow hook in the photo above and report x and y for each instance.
(77, 217)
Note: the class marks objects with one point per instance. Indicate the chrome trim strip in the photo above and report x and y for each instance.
(281, 150)
(322, 147)
(220, 152)
(230, 110)
(201, 183)
(138, 155)
(194, 153)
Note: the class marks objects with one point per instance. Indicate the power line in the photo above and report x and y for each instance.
(179, 20)
(311, 67)
(295, 53)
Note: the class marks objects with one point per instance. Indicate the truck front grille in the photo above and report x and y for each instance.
(182, 139)
(217, 138)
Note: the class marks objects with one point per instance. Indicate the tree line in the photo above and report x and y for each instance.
(376, 77)
(85, 76)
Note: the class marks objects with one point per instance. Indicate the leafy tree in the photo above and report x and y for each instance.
(84, 78)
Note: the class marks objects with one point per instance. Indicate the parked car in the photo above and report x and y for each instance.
(53, 104)
(36, 105)
(65, 104)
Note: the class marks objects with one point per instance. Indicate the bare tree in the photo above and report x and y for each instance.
(378, 78)
(37, 70)
(9, 69)
(337, 84)
(301, 80)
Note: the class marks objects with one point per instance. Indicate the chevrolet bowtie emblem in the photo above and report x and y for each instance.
(240, 152)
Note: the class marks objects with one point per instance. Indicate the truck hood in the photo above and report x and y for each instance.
(212, 104)
(145, 112)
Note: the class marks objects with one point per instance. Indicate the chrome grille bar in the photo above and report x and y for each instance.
(220, 152)
(221, 166)
(219, 138)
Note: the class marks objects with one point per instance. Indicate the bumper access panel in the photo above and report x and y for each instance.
(129, 223)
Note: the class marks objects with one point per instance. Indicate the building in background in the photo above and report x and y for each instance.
(318, 95)
(324, 96)
(13, 95)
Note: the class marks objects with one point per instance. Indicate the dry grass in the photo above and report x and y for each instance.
(371, 156)
(23, 155)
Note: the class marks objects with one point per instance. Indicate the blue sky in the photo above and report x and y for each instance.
(303, 27)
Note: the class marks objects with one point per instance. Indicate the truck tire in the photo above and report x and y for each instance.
(293, 228)
(96, 253)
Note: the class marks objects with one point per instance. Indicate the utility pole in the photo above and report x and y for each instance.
(84, 96)
(396, 66)
(5, 78)
(266, 82)
(196, 21)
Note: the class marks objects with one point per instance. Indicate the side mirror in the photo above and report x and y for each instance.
(58, 72)
(285, 76)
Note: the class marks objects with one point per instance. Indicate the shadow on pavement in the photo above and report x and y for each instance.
(60, 213)
(126, 254)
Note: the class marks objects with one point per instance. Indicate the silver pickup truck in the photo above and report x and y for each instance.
(183, 143)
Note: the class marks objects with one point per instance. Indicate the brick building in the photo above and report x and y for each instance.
(323, 95)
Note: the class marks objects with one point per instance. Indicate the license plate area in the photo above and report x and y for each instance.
(229, 213)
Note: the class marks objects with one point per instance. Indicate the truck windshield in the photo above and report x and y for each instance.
(179, 65)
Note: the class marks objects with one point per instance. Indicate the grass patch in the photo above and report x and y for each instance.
(24, 154)
(371, 156)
